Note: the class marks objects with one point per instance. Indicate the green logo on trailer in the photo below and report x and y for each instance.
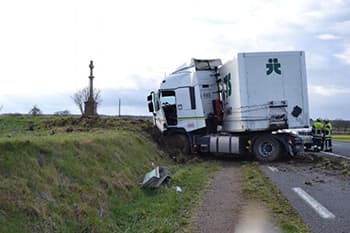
(272, 66)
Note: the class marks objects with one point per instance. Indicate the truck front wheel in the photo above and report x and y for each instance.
(266, 149)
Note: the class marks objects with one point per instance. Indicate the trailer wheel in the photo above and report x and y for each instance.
(267, 149)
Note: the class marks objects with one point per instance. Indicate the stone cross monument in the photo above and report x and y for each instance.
(90, 104)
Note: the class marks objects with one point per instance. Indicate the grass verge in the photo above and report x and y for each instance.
(258, 188)
(341, 137)
(164, 210)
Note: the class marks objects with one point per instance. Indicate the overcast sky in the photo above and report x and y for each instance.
(46, 47)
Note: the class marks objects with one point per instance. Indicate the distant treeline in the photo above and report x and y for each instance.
(341, 126)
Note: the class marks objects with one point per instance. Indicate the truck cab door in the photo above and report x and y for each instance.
(158, 113)
(151, 104)
(189, 112)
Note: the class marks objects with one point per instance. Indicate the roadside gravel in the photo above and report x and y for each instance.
(222, 202)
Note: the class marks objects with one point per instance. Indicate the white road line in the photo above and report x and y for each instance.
(320, 209)
(336, 155)
(273, 169)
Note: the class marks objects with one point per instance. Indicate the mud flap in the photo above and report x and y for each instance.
(297, 147)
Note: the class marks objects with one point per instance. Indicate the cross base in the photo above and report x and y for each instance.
(90, 108)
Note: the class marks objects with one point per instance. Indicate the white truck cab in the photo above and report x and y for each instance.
(185, 98)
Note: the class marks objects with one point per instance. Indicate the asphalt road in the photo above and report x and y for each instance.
(321, 197)
(341, 148)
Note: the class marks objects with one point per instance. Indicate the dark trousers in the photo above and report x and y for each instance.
(328, 144)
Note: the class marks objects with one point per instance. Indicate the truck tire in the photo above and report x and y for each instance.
(267, 149)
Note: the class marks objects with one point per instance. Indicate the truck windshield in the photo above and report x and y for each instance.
(167, 98)
(202, 65)
(206, 64)
(168, 101)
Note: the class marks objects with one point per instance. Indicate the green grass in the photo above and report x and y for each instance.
(258, 188)
(22, 126)
(341, 137)
(164, 210)
(11, 126)
(87, 180)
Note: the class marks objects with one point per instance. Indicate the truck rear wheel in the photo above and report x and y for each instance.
(267, 149)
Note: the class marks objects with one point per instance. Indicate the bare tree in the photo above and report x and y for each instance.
(81, 96)
(35, 111)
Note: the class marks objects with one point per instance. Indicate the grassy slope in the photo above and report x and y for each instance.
(87, 180)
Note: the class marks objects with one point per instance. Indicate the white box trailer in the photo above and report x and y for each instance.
(264, 91)
(238, 108)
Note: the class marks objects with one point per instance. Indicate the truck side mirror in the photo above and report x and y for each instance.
(149, 98)
(150, 107)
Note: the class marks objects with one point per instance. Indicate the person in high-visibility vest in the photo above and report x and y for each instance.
(317, 133)
(327, 135)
